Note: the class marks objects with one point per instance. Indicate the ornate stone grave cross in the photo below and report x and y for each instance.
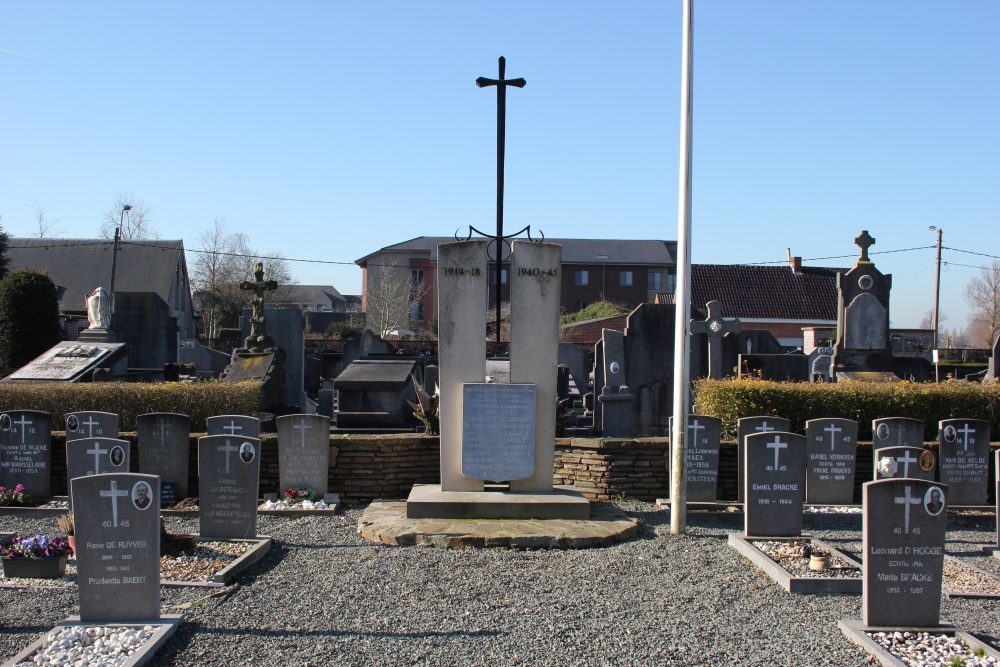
(864, 241)
(114, 494)
(906, 500)
(715, 328)
(258, 338)
(97, 451)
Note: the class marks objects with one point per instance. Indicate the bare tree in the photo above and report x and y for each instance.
(927, 322)
(45, 224)
(137, 221)
(982, 293)
(393, 298)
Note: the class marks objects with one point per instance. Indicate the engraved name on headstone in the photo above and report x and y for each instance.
(91, 425)
(303, 452)
(964, 460)
(905, 462)
(775, 483)
(239, 426)
(832, 448)
(96, 456)
(164, 439)
(498, 431)
(228, 477)
(745, 427)
(26, 451)
(703, 437)
(897, 432)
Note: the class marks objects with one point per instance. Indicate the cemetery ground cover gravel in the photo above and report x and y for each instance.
(324, 596)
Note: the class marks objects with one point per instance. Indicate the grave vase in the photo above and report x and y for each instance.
(50, 567)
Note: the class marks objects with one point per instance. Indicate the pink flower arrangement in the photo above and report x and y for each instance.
(15, 496)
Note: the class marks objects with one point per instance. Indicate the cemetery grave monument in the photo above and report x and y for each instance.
(26, 451)
(832, 450)
(73, 361)
(704, 438)
(91, 425)
(897, 432)
(164, 440)
(96, 456)
(748, 426)
(714, 328)
(237, 426)
(304, 453)
(964, 459)
(908, 462)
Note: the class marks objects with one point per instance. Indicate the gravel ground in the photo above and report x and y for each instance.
(324, 596)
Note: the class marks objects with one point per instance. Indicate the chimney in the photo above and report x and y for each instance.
(794, 263)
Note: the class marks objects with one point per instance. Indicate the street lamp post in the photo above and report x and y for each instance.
(114, 253)
(937, 284)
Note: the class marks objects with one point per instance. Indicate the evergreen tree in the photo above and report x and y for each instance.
(4, 260)
(29, 317)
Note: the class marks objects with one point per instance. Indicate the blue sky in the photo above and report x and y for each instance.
(326, 130)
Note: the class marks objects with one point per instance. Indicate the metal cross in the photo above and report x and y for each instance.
(864, 241)
(23, 422)
(965, 431)
(232, 428)
(907, 500)
(907, 459)
(833, 430)
(777, 446)
(302, 426)
(695, 426)
(227, 448)
(97, 451)
(114, 494)
(90, 424)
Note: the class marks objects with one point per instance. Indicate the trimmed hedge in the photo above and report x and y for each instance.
(198, 400)
(799, 402)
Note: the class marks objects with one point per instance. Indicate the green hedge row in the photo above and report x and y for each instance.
(733, 399)
(199, 400)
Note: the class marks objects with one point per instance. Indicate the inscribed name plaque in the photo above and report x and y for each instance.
(117, 525)
(904, 533)
(228, 475)
(91, 425)
(775, 483)
(95, 456)
(26, 451)
(239, 426)
(303, 452)
(964, 460)
(832, 450)
(703, 436)
(745, 427)
(498, 431)
(897, 432)
(905, 463)
(164, 438)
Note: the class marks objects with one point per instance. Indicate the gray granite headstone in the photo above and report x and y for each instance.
(865, 328)
(303, 453)
(228, 478)
(775, 484)
(96, 456)
(617, 411)
(91, 425)
(164, 438)
(747, 426)
(498, 431)
(26, 451)
(832, 448)
(964, 460)
(904, 534)
(117, 523)
(239, 426)
(703, 437)
(897, 432)
(905, 462)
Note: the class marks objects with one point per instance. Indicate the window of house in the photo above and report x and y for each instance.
(581, 277)
(493, 276)
(580, 305)
(417, 311)
(416, 276)
(625, 278)
(671, 283)
(653, 279)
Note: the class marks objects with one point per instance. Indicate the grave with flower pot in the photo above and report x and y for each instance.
(303, 467)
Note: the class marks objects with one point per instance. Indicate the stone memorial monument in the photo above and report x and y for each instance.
(72, 361)
(237, 426)
(905, 463)
(897, 432)
(747, 426)
(614, 398)
(26, 451)
(964, 460)
(832, 451)
(91, 425)
(303, 453)
(714, 327)
(96, 456)
(228, 478)
(704, 436)
(775, 484)
(164, 440)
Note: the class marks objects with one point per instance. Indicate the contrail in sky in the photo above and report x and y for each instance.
(15, 53)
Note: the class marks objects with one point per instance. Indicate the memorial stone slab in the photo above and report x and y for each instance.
(91, 425)
(26, 451)
(904, 534)
(832, 449)
(747, 426)
(964, 460)
(775, 484)
(703, 436)
(303, 453)
(228, 479)
(96, 456)
(866, 318)
(498, 431)
(71, 361)
(905, 462)
(164, 438)
(897, 432)
(239, 426)
(117, 525)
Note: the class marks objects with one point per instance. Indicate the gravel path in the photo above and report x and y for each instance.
(324, 596)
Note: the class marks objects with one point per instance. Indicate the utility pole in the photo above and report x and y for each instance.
(114, 253)
(937, 284)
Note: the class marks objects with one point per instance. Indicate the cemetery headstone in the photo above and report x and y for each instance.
(613, 373)
(832, 448)
(228, 479)
(164, 438)
(964, 460)
(237, 426)
(775, 484)
(747, 426)
(897, 432)
(649, 364)
(714, 327)
(91, 425)
(26, 451)
(704, 434)
(498, 431)
(303, 452)
(96, 456)
(117, 527)
(905, 462)
(904, 534)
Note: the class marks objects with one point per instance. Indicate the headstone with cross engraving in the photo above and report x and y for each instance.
(897, 432)
(964, 460)
(775, 480)
(96, 456)
(164, 439)
(238, 426)
(905, 462)
(91, 425)
(714, 327)
(750, 425)
(703, 436)
(303, 453)
(832, 449)
(228, 477)
(903, 538)
(117, 526)
(26, 451)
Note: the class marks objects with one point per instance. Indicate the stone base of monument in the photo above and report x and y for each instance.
(428, 501)
(856, 632)
(260, 546)
(162, 630)
(817, 585)
(386, 522)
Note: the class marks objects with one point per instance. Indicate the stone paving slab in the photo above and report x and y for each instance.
(386, 522)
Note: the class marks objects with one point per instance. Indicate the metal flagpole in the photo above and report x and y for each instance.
(682, 343)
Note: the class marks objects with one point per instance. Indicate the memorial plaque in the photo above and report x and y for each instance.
(164, 439)
(703, 436)
(904, 533)
(239, 426)
(69, 361)
(498, 431)
(228, 475)
(897, 432)
(964, 460)
(117, 547)
(91, 425)
(905, 462)
(95, 456)
(26, 451)
(745, 427)
(303, 453)
(775, 483)
(832, 449)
